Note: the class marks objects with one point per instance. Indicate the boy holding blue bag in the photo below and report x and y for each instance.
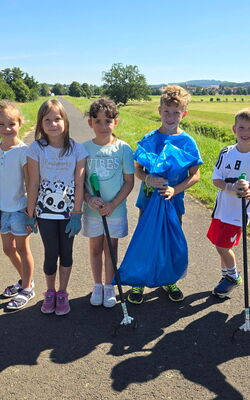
(167, 159)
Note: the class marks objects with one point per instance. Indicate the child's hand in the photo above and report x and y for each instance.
(107, 209)
(245, 193)
(242, 184)
(74, 225)
(95, 203)
(237, 187)
(155, 181)
(31, 224)
(168, 192)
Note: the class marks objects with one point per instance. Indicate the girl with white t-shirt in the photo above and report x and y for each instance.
(55, 195)
(112, 160)
(13, 201)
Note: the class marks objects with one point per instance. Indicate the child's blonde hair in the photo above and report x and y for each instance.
(174, 94)
(242, 114)
(45, 108)
(7, 107)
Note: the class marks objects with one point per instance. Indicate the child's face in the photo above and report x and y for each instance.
(9, 125)
(242, 132)
(171, 115)
(102, 125)
(53, 123)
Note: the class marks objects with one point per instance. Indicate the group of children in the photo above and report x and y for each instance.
(55, 172)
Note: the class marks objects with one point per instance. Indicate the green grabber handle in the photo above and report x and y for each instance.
(243, 175)
(96, 188)
(95, 184)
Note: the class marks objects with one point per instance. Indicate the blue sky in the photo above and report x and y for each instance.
(169, 41)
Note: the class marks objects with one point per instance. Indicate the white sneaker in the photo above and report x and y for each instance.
(96, 298)
(109, 299)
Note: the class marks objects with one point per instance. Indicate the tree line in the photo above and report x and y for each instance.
(120, 83)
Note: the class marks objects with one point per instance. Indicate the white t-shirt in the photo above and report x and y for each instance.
(109, 162)
(12, 187)
(57, 187)
(230, 165)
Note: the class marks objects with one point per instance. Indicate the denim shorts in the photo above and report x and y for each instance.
(13, 222)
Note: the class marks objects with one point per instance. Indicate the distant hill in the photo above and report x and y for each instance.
(205, 83)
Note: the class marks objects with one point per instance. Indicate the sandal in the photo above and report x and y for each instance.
(21, 299)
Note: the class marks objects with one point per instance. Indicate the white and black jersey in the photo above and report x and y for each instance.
(229, 166)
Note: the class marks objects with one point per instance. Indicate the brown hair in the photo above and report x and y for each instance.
(103, 104)
(174, 94)
(9, 107)
(243, 114)
(41, 136)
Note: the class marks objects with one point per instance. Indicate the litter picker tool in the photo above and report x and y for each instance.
(127, 320)
(246, 326)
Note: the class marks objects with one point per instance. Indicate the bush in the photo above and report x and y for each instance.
(6, 92)
(22, 92)
(208, 130)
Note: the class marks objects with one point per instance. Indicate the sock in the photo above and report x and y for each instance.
(223, 271)
(232, 272)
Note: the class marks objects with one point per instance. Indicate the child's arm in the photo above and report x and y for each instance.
(26, 176)
(236, 187)
(150, 180)
(193, 177)
(128, 185)
(33, 185)
(79, 185)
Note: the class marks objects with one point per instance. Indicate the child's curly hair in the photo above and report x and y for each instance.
(103, 104)
(174, 94)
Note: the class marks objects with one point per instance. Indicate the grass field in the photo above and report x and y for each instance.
(29, 113)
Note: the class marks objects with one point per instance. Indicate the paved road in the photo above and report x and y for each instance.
(179, 351)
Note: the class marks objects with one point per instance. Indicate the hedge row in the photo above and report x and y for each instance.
(209, 130)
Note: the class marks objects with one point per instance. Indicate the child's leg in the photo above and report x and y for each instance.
(96, 245)
(50, 237)
(228, 261)
(109, 299)
(23, 249)
(232, 278)
(9, 248)
(109, 270)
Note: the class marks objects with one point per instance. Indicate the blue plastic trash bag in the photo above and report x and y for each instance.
(157, 254)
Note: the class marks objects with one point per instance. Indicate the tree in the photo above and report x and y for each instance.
(5, 91)
(21, 90)
(75, 89)
(58, 89)
(44, 89)
(87, 90)
(123, 83)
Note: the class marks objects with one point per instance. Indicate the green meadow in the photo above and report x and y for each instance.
(29, 113)
(138, 118)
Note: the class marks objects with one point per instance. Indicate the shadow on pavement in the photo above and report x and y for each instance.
(195, 351)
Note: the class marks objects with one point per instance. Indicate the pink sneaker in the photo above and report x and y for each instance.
(62, 303)
(49, 302)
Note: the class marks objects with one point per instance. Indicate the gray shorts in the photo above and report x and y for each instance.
(93, 226)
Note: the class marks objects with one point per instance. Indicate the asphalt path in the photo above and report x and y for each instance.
(178, 351)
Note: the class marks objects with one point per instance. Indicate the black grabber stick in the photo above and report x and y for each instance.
(127, 320)
(246, 326)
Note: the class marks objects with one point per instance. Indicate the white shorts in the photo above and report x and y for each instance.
(93, 227)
